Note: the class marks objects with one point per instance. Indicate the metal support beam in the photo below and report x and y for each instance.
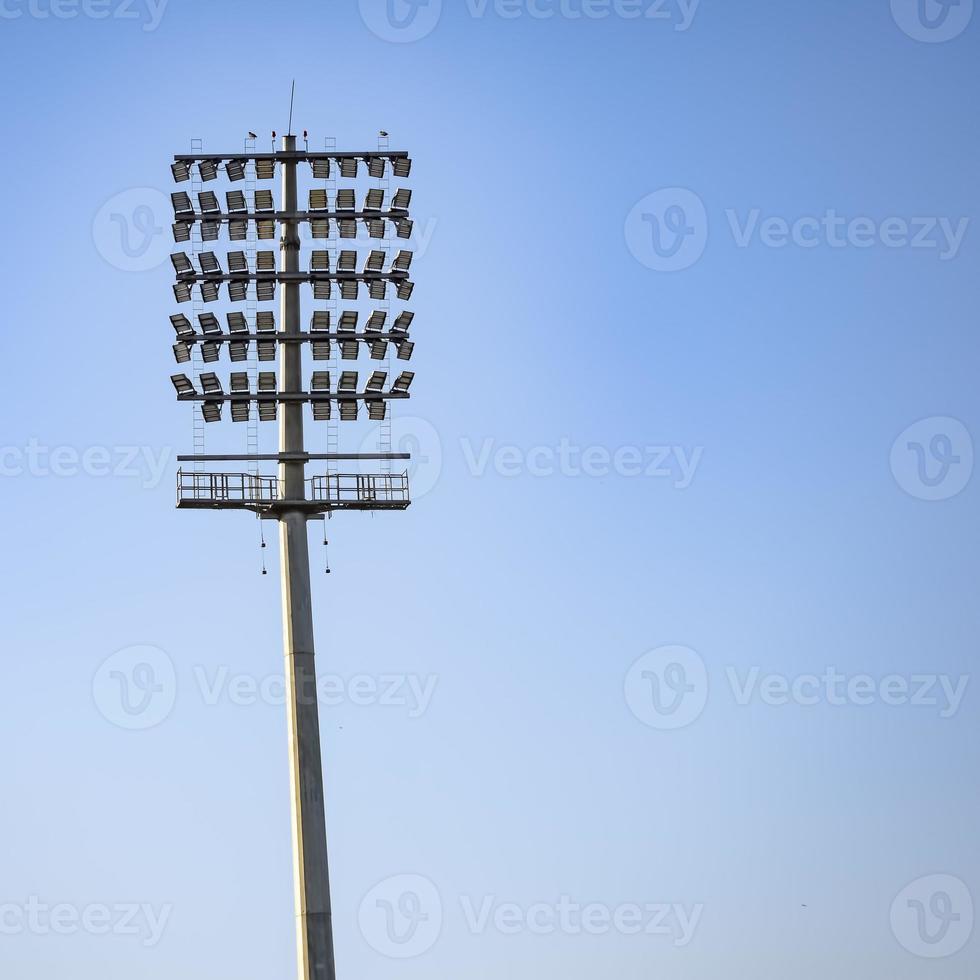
(291, 338)
(294, 396)
(189, 218)
(315, 951)
(293, 457)
(292, 277)
(294, 156)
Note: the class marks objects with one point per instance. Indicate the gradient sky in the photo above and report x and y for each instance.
(787, 520)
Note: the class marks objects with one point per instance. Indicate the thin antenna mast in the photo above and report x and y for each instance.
(292, 95)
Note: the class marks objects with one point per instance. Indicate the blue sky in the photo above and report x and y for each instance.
(668, 670)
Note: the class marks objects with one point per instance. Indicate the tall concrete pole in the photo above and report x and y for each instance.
(313, 917)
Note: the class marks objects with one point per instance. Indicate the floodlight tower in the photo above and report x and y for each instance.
(291, 498)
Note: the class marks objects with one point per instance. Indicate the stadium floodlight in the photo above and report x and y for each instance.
(182, 264)
(404, 381)
(181, 201)
(208, 262)
(291, 498)
(236, 201)
(207, 201)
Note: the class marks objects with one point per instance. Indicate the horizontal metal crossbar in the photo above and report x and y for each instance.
(293, 457)
(295, 155)
(189, 218)
(280, 276)
(295, 338)
(294, 396)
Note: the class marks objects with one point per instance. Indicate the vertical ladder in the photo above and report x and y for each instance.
(384, 183)
(333, 426)
(252, 426)
(197, 244)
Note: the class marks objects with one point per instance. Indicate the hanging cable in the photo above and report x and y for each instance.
(262, 550)
(326, 547)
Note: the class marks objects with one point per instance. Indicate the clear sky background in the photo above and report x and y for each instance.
(791, 525)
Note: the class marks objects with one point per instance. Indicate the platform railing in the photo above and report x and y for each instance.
(245, 488)
(341, 488)
(353, 491)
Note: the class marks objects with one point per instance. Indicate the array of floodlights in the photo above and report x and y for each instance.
(325, 213)
(322, 163)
